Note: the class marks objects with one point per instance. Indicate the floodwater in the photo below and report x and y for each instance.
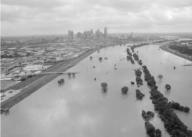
(79, 108)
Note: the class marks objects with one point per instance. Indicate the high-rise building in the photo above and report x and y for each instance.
(105, 31)
(79, 35)
(70, 35)
(98, 33)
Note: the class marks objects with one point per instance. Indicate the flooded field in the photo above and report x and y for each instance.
(79, 107)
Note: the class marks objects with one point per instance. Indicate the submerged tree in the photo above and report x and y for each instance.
(168, 87)
(160, 76)
(100, 59)
(124, 90)
(104, 86)
(139, 94)
(61, 82)
(132, 83)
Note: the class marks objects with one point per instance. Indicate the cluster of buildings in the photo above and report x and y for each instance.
(27, 56)
(90, 34)
(19, 63)
(186, 42)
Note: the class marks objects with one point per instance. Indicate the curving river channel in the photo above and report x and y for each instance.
(79, 108)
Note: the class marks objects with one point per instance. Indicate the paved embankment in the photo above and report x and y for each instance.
(137, 45)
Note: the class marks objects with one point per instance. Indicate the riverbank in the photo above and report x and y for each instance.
(166, 48)
(137, 45)
(32, 85)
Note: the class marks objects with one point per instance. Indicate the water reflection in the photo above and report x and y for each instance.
(167, 92)
(5, 112)
(159, 78)
(71, 75)
(100, 59)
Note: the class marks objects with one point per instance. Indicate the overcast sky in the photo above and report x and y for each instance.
(29, 17)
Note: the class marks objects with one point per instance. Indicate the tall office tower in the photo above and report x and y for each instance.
(70, 35)
(98, 34)
(105, 31)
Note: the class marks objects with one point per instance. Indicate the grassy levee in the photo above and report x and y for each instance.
(36, 84)
(166, 48)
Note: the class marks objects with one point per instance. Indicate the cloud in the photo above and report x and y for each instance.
(47, 4)
(14, 13)
(57, 16)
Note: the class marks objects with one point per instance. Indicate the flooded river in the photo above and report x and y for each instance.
(79, 108)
